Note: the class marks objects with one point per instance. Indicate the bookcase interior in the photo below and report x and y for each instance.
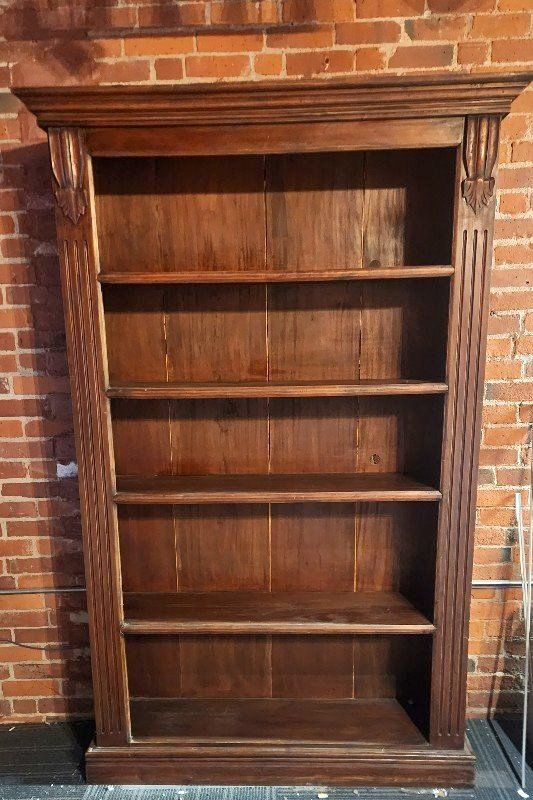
(276, 343)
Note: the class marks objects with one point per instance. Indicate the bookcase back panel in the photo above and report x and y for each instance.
(278, 436)
(289, 212)
(403, 329)
(220, 548)
(315, 667)
(194, 548)
(314, 211)
(408, 207)
(317, 331)
(189, 333)
(312, 547)
(337, 547)
(179, 214)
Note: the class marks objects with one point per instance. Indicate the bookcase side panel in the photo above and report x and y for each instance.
(473, 228)
(72, 187)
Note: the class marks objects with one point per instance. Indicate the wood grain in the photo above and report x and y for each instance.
(209, 212)
(272, 488)
(275, 720)
(314, 211)
(222, 548)
(302, 247)
(280, 612)
(151, 390)
(147, 548)
(228, 275)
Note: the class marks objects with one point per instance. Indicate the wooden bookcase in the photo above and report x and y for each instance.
(275, 305)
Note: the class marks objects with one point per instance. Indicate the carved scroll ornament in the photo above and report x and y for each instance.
(68, 165)
(480, 152)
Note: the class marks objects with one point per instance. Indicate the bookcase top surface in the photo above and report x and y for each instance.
(383, 97)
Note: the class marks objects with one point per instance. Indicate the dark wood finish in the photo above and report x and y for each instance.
(466, 353)
(279, 612)
(281, 764)
(272, 488)
(84, 342)
(275, 305)
(219, 139)
(275, 721)
(227, 276)
(377, 98)
(179, 391)
(209, 214)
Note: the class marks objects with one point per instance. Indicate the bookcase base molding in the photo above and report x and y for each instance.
(285, 765)
(276, 303)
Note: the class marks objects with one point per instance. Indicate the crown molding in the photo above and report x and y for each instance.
(386, 97)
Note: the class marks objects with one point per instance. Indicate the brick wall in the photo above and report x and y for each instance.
(94, 41)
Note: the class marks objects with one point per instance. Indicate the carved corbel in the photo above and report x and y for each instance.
(480, 153)
(68, 166)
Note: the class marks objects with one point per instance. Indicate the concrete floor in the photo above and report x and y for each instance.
(46, 761)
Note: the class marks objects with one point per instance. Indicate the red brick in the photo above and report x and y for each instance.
(10, 428)
(33, 688)
(25, 707)
(319, 62)
(450, 28)
(513, 127)
(503, 323)
(516, 178)
(499, 348)
(472, 52)
(124, 71)
(389, 8)
(467, 6)
(500, 26)
(244, 11)
(422, 56)
(513, 50)
(230, 66)
(518, 391)
(502, 370)
(229, 42)
(268, 64)
(318, 10)
(513, 204)
(14, 248)
(523, 151)
(524, 346)
(514, 254)
(369, 58)
(499, 414)
(158, 45)
(512, 278)
(15, 318)
(15, 547)
(297, 39)
(14, 509)
(168, 69)
(510, 301)
(363, 32)
(7, 341)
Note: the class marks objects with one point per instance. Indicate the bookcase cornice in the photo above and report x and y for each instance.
(387, 97)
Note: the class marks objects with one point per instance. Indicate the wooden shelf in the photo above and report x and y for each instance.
(379, 722)
(331, 488)
(264, 612)
(225, 276)
(162, 390)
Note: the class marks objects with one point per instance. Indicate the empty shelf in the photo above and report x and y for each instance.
(378, 722)
(264, 612)
(227, 276)
(150, 390)
(330, 488)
